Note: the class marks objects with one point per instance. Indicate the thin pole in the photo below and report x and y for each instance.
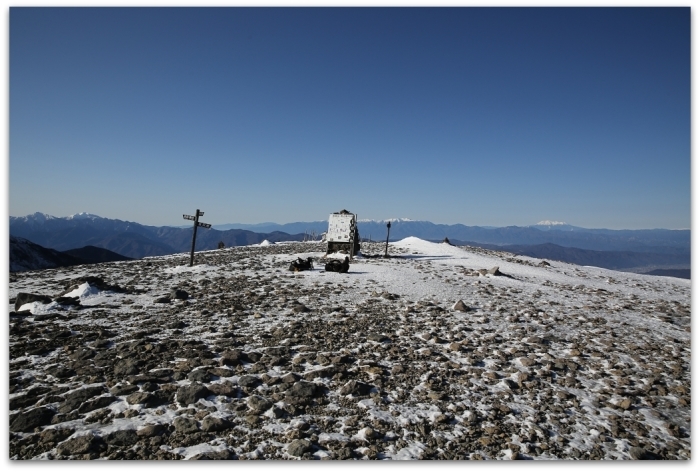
(386, 248)
(194, 236)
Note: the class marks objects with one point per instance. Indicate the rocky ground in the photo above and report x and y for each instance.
(238, 358)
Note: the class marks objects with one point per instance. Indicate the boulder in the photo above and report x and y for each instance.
(298, 447)
(354, 387)
(27, 421)
(301, 393)
(177, 294)
(23, 298)
(122, 437)
(258, 404)
(460, 306)
(80, 445)
(214, 424)
(185, 425)
(189, 394)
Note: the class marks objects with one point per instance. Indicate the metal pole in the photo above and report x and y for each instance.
(386, 248)
(194, 236)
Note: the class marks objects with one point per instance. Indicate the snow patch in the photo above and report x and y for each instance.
(551, 223)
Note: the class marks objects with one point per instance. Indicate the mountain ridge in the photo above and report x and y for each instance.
(137, 240)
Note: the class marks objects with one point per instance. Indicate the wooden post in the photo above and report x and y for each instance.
(194, 237)
(386, 248)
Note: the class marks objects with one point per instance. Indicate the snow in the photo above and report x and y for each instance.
(83, 216)
(83, 292)
(426, 272)
(551, 223)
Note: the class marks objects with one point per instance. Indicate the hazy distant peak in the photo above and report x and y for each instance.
(393, 220)
(82, 216)
(551, 223)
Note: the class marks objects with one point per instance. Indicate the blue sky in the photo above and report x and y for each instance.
(503, 116)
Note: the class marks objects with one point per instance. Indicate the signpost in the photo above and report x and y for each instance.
(194, 235)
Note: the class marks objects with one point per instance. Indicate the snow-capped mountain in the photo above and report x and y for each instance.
(437, 352)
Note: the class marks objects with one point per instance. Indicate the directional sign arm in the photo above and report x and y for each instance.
(204, 225)
(188, 217)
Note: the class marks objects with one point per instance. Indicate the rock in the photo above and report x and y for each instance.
(71, 301)
(122, 437)
(301, 392)
(638, 453)
(258, 404)
(189, 394)
(625, 404)
(214, 424)
(199, 375)
(254, 356)
(55, 435)
(354, 387)
(225, 389)
(252, 419)
(544, 264)
(96, 403)
(177, 294)
(233, 357)
(377, 338)
(298, 447)
(249, 381)
(527, 362)
(222, 455)
(221, 371)
(369, 433)
(185, 425)
(460, 306)
(299, 308)
(27, 421)
(23, 298)
(76, 398)
(80, 445)
(128, 366)
(146, 398)
(494, 271)
(291, 377)
(151, 430)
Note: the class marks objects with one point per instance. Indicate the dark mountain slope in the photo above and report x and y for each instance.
(95, 255)
(25, 255)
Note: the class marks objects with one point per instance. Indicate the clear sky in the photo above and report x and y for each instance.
(503, 116)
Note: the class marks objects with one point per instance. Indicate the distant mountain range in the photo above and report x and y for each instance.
(614, 249)
(129, 238)
(661, 241)
(615, 260)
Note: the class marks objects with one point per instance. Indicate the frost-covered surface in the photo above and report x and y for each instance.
(549, 362)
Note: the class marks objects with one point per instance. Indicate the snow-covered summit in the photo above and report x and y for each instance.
(83, 216)
(37, 217)
(551, 223)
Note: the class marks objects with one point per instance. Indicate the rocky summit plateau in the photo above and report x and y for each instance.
(437, 352)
